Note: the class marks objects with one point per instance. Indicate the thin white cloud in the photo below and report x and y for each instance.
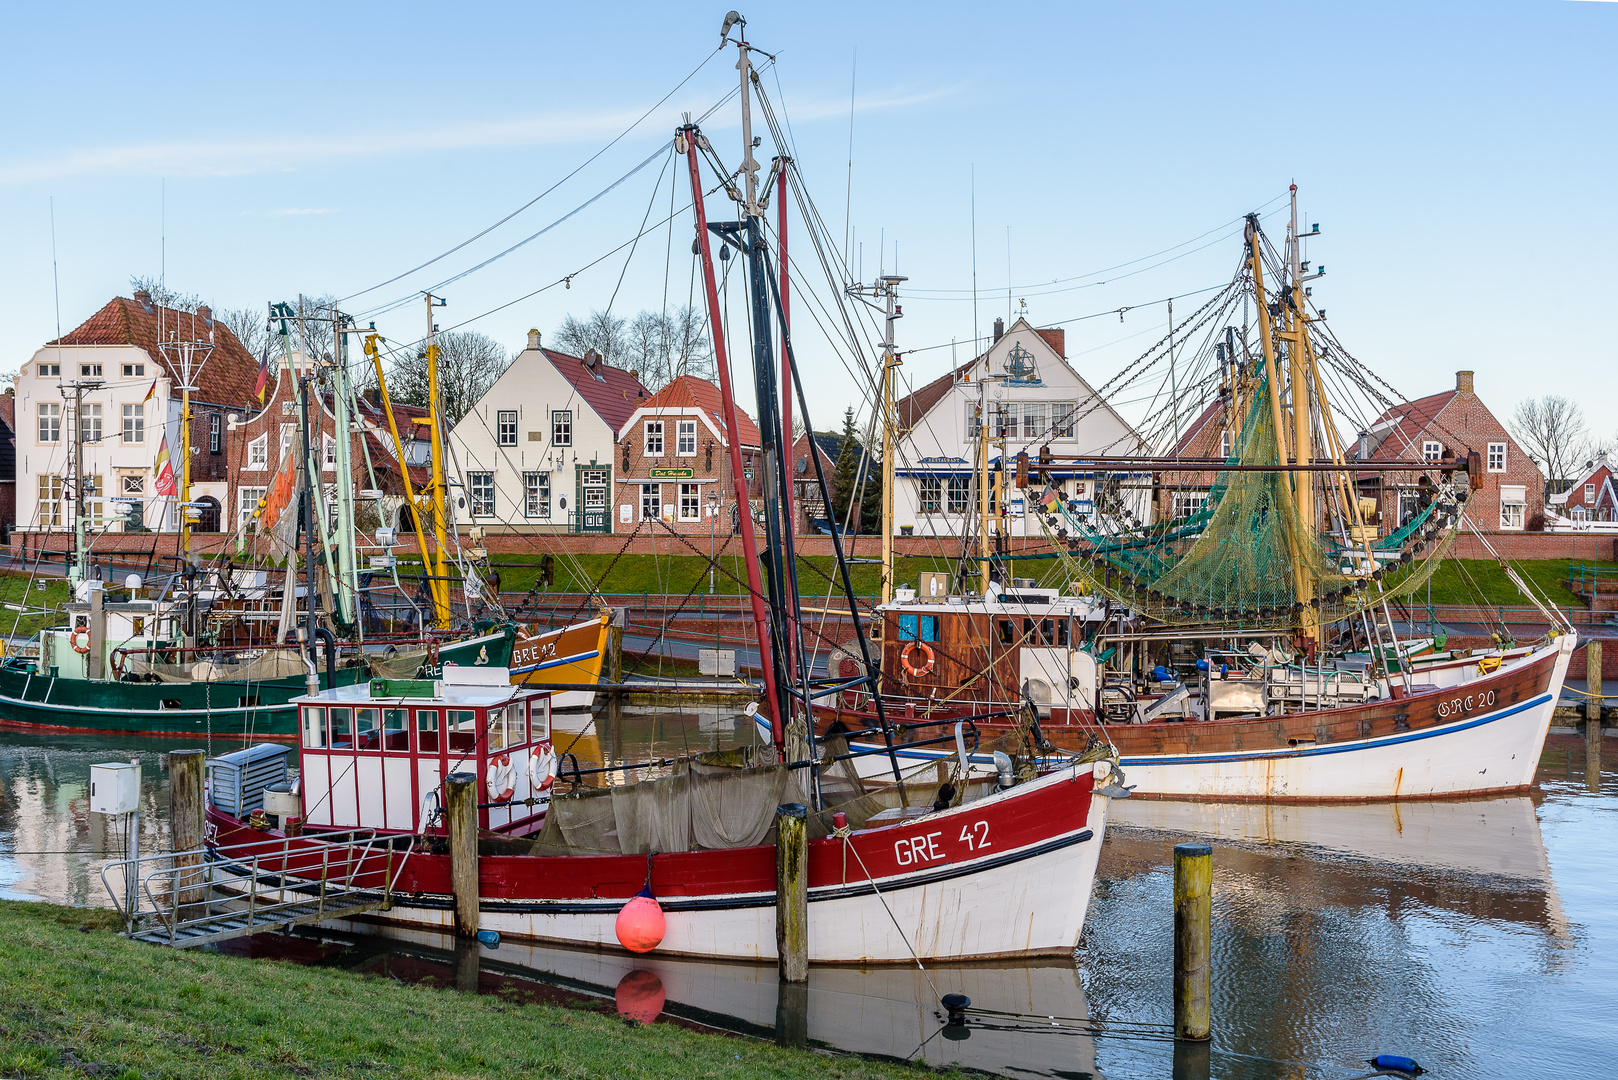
(236, 157)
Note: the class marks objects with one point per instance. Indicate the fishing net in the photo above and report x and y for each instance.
(271, 665)
(1246, 556)
(711, 801)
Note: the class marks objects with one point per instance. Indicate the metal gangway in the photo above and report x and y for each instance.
(188, 898)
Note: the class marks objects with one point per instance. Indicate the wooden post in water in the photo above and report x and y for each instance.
(615, 647)
(186, 822)
(1592, 716)
(461, 816)
(1193, 917)
(792, 891)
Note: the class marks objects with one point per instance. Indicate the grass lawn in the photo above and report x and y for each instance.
(76, 1000)
(15, 593)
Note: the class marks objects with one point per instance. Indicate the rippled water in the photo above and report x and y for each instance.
(1476, 936)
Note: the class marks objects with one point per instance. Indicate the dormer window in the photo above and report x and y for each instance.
(1431, 451)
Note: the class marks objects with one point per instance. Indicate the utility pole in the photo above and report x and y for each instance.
(77, 487)
(187, 359)
(890, 425)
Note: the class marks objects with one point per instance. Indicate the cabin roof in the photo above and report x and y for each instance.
(453, 695)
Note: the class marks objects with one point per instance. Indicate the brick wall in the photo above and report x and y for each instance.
(710, 463)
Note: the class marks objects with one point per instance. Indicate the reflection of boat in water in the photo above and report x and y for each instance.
(1482, 856)
(883, 1011)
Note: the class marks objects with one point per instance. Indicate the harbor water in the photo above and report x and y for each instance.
(1477, 936)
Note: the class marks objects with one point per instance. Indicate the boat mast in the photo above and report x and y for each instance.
(80, 489)
(348, 592)
(890, 425)
(983, 482)
(375, 353)
(435, 564)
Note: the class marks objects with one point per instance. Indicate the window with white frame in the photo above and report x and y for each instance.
(974, 420)
(94, 491)
(1224, 444)
(1590, 494)
(1187, 503)
(49, 513)
(654, 438)
(1497, 457)
(1431, 451)
(89, 371)
(505, 427)
(90, 422)
(247, 506)
(50, 371)
(932, 494)
(1409, 505)
(50, 421)
(480, 485)
(1005, 419)
(690, 502)
(687, 444)
(328, 452)
(536, 500)
(562, 427)
(1513, 505)
(1064, 416)
(258, 452)
(1033, 421)
(216, 433)
(958, 491)
(651, 502)
(134, 371)
(288, 433)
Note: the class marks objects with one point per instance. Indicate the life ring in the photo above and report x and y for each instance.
(911, 669)
(542, 767)
(502, 781)
(73, 640)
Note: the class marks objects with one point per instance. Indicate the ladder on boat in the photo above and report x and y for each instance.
(190, 898)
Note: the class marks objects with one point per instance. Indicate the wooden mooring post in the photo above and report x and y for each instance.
(461, 817)
(1592, 715)
(1193, 918)
(792, 891)
(186, 825)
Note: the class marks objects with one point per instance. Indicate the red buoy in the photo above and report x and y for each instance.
(640, 923)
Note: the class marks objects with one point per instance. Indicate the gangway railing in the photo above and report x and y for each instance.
(189, 898)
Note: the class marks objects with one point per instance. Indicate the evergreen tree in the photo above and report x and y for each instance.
(846, 475)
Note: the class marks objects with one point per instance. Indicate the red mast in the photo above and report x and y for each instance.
(755, 588)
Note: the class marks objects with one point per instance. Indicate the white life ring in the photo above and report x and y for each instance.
(542, 767)
(502, 781)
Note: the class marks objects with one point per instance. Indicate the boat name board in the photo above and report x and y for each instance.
(915, 850)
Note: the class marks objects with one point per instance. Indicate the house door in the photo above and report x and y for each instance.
(594, 490)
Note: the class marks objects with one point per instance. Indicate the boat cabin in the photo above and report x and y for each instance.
(375, 755)
(102, 634)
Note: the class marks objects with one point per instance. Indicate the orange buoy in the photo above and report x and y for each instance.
(640, 923)
(640, 995)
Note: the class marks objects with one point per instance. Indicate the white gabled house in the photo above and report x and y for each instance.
(536, 451)
(1035, 398)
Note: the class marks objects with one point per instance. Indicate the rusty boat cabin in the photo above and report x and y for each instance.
(375, 755)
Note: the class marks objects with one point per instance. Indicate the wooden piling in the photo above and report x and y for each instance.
(615, 651)
(792, 891)
(186, 822)
(1592, 716)
(1193, 916)
(461, 817)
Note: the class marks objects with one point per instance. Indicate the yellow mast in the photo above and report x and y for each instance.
(435, 564)
(1303, 586)
(404, 468)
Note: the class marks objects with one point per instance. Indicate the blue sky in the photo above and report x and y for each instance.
(1460, 158)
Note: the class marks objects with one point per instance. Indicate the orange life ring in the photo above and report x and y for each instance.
(911, 669)
(73, 640)
(502, 780)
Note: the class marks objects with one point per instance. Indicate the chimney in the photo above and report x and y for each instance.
(1463, 381)
(205, 313)
(144, 299)
(1363, 453)
(533, 339)
(999, 329)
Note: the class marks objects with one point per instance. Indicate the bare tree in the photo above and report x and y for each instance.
(1552, 430)
(601, 330)
(658, 346)
(162, 294)
(468, 365)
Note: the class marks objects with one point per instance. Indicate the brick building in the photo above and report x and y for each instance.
(807, 505)
(674, 462)
(1590, 498)
(1453, 422)
(8, 463)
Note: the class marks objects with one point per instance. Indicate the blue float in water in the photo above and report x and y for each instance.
(489, 938)
(1397, 1063)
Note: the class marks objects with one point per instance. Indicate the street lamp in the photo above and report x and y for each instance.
(713, 514)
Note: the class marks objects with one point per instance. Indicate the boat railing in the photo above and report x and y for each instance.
(173, 897)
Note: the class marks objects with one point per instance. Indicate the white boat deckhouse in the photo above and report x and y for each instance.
(1035, 399)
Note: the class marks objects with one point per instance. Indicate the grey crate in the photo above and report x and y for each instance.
(236, 781)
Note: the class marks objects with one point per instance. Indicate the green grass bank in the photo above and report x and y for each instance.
(77, 1000)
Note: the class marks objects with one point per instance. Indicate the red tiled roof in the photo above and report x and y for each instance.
(912, 407)
(1412, 419)
(386, 463)
(613, 393)
(692, 394)
(1056, 339)
(227, 377)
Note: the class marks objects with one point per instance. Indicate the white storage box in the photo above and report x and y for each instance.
(114, 788)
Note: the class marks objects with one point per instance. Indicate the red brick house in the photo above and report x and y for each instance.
(8, 463)
(807, 505)
(674, 462)
(1453, 422)
(1591, 497)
